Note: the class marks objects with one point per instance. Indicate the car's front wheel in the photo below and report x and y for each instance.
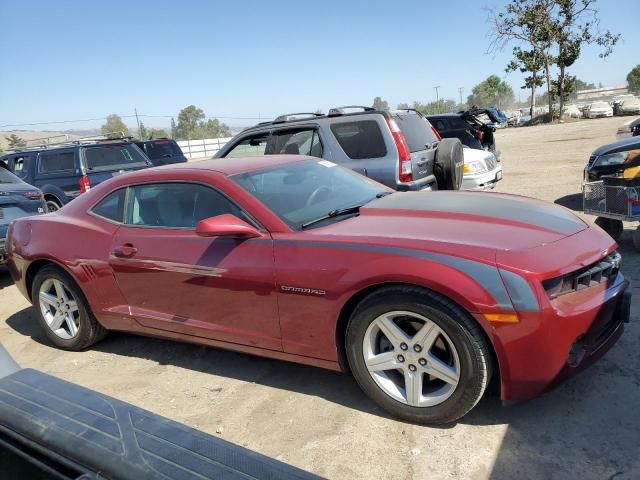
(63, 312)
(417, 355)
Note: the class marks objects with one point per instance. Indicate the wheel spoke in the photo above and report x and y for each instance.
(71, 324)
(48, 299)
(73, 306)
(60, 290)
(56, 321)
(427, 336)
(413, 387)
(390, 330)
(382, 361)
(437, 368)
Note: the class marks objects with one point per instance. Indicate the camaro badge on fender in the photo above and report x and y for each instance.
(303, 291)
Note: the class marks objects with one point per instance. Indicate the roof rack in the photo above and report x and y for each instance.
(88, 140)
(333, 112)
(287, 117)
(411, 110)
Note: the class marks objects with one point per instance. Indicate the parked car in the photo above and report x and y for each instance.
(613, 159)
(60, 430)
(572, 111)
(17, 200)
(482, 171)
(162, 151)
(475, 129)
(423, 296)
(63, 172)
(599, 109)
(629, 106)
(399, 149)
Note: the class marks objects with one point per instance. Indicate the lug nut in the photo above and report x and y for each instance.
(400, 358)
(403, 346)
(417, 348)
(422, 362)
(412, 368)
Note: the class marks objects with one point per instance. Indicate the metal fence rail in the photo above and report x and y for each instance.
(202, 149)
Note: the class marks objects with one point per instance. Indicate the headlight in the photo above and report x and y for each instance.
(617, 158)
(474, 167)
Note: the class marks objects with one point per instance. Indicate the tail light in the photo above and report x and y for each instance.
(405, 172)
(478, 134)
(33, 194)
(85, 184)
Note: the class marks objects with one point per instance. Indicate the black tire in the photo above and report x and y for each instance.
(89, 330)
(636, 238)
(472, 348)
(449, 164)
(614, 228)
(52, 204)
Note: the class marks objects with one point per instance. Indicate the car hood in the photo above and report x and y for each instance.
(445, 219)
(474, 154)
(619, 146)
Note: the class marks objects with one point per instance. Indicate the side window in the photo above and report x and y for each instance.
(250, 146)
(176, 205)
(297, 142)
(56, 162)
(440, 124)
(361, 139)
(112, 206)
(20, 166)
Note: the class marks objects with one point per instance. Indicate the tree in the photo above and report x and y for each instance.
(444, 105)
(114, 126)
(492, 92)
(528, 61)
(192, 125)
(633, 79)
(143, 132)
(380, 104)
(174, 128)
(158, 133)
(15, 142)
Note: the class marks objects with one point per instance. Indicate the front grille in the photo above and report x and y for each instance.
(604, 270)
(491, 162)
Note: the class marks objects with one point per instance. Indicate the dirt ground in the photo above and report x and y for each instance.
(320, 421)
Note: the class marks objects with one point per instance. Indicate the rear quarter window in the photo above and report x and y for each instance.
(56, 162)
(360, 139)
(113, 157)
(112, 206)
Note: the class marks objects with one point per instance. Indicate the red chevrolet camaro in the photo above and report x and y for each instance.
(423, 296)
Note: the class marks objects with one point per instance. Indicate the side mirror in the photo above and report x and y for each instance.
(226, 225)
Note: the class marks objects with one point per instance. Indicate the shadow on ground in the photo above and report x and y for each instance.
(572, 201)
(5, 278)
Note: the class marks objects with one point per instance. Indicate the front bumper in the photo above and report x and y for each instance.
(547, 347)
(482, 181)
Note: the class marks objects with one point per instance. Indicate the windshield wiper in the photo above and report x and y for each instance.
(332, 214)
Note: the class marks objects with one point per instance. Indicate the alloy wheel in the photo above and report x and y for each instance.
(59, 308)
(411, 358)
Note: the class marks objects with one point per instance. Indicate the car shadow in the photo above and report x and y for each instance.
(572, 201)
(5, 278)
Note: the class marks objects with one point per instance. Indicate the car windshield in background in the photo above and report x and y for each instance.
(7, 177)
(110, 157)
(304, 191)
(416, 130)
(599, 105)
(162, 149)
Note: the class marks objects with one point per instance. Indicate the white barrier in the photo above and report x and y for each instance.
(202, 149)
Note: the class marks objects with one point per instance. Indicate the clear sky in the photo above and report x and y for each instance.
(68, 60)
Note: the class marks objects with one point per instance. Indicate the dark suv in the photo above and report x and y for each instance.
(162, 151)
(474, 128)
(63, 172)
(399, 149)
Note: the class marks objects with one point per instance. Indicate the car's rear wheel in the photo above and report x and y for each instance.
(417, 355)
(63, 311)
(52, 204)
(614, 228)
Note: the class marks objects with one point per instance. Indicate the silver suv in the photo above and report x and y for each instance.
(399, 149)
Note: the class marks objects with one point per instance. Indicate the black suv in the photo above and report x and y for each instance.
(399, 149)
(162, 151)
(474, 128)
(65, 171)
(613, 159)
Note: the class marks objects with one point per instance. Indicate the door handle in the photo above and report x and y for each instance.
(125, 251)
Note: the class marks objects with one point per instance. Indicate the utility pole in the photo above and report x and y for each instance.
(135, 110)
(460, 92)
(437, 98)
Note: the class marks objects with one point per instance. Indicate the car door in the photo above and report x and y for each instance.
(219, 288)
(58, 170)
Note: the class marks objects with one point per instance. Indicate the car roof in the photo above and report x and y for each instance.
(451, 114)
(235, 165)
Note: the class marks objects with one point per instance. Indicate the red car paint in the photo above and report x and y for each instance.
(284, 294)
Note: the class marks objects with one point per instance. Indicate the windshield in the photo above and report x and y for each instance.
(161, 149)
(599, 105)
(631, 101)
(7, 177)
(304, 191)
(114, 157)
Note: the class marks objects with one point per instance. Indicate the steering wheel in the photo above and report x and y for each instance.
(312, 198)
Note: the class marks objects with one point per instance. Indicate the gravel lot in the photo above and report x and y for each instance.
(320, 421)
